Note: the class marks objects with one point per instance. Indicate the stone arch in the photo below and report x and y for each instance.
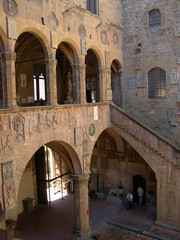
(31, 53)
(67, 81)
(28, 153)
(149, 156)
(98, 54)
(74, 54)
(3, 40)
(116, 82)
(94, 77)
(41, 37)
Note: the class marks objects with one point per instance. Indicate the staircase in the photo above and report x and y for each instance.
(130, 129)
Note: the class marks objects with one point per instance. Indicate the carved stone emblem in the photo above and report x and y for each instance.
(172, 116)
(10, 7)
(31, 127)
(18, 122)
(130, 84)
(8, 185)
(138, 64)
(48, 120)
(174, 78)
(85, 132)
(5, 123)
(53, 21)
(115, 38)
(11, 28)
(83, 47)
(87, 164)
(82, 31)
(100, 113)
(78, 136)
(104, 37)
(6, 144)
(9, 194)
(85, 147)
(71, 118)
(62, 118)
(40, 124)
(55, 120)
(177, 31)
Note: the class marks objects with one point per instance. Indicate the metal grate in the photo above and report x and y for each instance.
(92, 6)
(157, 84)
(154, 18)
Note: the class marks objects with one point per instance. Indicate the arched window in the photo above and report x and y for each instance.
(154, 18)
(39, 88)
(157, 84)
(93, 6)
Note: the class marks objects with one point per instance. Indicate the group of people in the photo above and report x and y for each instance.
(140, 192)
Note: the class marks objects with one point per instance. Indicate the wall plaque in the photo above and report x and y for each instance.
(77, 136)
(92, 129)
(174, 77)
(11, 28)
(83, 47)
(130, 84)
(141, 80)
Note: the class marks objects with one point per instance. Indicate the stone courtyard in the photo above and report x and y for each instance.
(89, 102)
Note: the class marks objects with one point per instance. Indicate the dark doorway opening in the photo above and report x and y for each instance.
(139, 181)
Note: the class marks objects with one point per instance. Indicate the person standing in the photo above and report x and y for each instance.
(140, 194)
(130, 201)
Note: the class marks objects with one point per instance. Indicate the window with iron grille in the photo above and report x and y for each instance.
(93, 6)
(154, 18)
(157, 84)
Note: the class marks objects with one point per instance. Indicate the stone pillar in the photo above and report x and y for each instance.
(168, 187)
(51, 81)
(10, 227)
(9, 59)
(102, 84)
(108, 84)
(79, 81)
(76, 84)
(81, 203)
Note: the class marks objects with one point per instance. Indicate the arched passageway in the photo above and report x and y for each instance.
(31, 84)
(117, 169)
(92, 77)
(116, 83)
(47, 176)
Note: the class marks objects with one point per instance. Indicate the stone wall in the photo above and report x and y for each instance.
(147, 47)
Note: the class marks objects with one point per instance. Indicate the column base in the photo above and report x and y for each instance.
(82, 234)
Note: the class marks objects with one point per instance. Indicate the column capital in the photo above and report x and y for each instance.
(9, 56)
(101, 69)
(52, 62)
(79, 67)
(80, 179)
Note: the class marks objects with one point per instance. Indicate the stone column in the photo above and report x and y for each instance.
(9, 59)
(76, 84)
(79, 81)
(102, 84)
(81, 203)
(51, 81)
(10, 227)
(108, 84)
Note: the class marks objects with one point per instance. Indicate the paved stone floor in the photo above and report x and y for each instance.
(108, 222)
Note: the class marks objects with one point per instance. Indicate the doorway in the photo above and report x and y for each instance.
(139, 181)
